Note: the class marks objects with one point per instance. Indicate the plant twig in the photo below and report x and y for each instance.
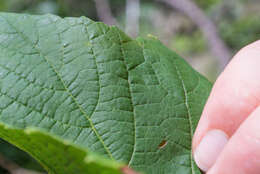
(104, 12)
(13, 168)
(208, 28)
(132, 17)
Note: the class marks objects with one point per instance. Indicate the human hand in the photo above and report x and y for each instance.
(227, 139)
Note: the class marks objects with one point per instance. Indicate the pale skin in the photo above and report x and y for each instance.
(230, 124)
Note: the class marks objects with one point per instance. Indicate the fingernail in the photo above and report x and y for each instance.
(209, 149)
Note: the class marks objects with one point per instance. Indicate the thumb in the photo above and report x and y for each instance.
(234, 96)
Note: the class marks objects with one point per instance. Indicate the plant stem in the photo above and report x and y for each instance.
(13, 168)
(104, 12)
(208, 28)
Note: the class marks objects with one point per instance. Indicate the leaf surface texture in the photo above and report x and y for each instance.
(133, 101)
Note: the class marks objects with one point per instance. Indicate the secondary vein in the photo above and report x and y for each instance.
(188, 110)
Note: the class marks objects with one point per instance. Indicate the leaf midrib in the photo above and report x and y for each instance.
(131, 99)
(188, 110)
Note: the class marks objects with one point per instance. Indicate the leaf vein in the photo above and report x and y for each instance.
(131, 98)
(188, 110)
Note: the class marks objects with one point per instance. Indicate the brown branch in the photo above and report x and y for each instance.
(13, 168)
(104, 12)
(132, 17)
(208, 28)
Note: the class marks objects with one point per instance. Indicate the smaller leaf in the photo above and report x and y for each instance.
(50, 151)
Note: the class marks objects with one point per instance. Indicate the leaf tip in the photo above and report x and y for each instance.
(152, 36)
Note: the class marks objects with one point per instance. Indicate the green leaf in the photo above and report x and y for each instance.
(133, 101)
(58, 156)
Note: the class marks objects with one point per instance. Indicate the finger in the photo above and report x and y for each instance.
(241, 155)
(234, 96)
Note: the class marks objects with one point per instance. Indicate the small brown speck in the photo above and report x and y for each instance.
(162, 144)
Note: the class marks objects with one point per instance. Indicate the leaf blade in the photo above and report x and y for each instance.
(92, 85)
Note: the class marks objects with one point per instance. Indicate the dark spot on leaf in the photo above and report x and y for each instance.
(162, 144)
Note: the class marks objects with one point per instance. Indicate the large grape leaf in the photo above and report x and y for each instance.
(134, 101)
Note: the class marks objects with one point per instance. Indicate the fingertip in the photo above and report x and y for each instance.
(209, 149)
(201, 130)
(242, 153)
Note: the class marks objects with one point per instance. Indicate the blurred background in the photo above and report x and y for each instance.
(207, 33)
